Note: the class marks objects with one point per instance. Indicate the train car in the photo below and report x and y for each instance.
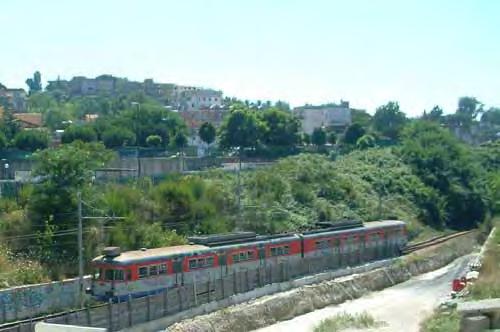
(119, 276)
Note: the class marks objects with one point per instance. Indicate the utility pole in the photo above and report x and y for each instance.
(80, 241)
(80, 248)
(239, 184)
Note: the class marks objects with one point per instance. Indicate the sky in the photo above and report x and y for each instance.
(420, 53)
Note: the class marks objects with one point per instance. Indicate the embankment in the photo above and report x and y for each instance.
(268, 310)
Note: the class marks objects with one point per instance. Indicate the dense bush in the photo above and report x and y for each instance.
(31, 140)
(447, 166)
(82, 133)
(116, 137)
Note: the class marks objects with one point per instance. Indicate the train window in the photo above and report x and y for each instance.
(243, 256)
(163, 269)
(143, 272)
(192, 264)
(210, 261)
(236, 258)
(108, 275)
(286, 250)
(273, 251)
(280, 250)
(119, 275)
(250, 255)
(153, 270)
(323, 244)
(128, 275)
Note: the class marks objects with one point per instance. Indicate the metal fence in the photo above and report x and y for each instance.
(116, 316)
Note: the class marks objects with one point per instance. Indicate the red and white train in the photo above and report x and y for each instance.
(149, 271)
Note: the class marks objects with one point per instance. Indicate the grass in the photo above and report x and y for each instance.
(442, 321)
(488, 284)
(344, 321)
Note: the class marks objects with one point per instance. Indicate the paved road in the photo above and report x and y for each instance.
(401, 307)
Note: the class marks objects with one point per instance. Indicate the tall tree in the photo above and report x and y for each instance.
(241, 128)
(389, 120)
(282, 127)
(318, 137)
(435, 114)
(35, 83)
(353, 133)
(207, 133)
(468, 110)
(61, 173)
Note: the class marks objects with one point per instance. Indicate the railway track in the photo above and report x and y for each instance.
(433, 241)
(28, 324)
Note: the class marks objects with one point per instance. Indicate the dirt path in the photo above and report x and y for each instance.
(402, 307)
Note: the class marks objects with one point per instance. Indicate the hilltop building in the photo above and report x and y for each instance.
(14, 99)
(333, 116)
(185, 98)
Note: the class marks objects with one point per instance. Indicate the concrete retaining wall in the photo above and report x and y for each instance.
(33, 300)
(271, 309)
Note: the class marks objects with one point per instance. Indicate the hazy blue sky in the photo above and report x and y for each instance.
(420, 53)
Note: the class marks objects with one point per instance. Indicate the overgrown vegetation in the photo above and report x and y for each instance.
(442, 321)
(488, 284)
(344, 321)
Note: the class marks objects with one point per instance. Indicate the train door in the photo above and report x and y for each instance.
(179, 274)
(343, 251)
(262, 254)
(381, 244)
(335, 244)
(223, 264)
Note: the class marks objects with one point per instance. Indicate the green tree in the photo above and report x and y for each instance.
(353, 133)
(180, 140)
(115, 137)
(435, 114)
(318, 137)
(447, 166)
(207, 133)
(282, 128)
(241, 128)
(77, 132)
(468, 110)
(491, 116)
(31, 140)
(35, 83)
(365, 141)
(9, 125)
(59, 174)
(3, 141)
(332, 138)
(389, 120)
(361, 117)
(154, 141)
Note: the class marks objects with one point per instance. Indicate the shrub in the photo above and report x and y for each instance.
(154, 140)
(116, 137)
(31, 140)
(82, 133)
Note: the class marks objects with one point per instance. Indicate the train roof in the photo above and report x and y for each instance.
(147, 255)
(150, 254)
(372, 225)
